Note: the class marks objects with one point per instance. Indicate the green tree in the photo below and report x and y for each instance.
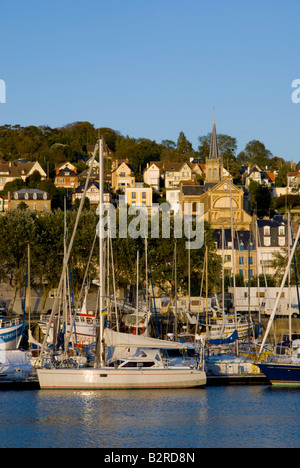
(260, 198)
(255, 152)
(17, 229)
(183, 145)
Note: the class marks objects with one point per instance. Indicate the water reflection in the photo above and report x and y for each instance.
(211, 417)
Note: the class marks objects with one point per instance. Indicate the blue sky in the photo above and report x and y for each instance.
(154, 68)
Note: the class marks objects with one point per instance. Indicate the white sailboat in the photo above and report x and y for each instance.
(138, 362)
(147, 369)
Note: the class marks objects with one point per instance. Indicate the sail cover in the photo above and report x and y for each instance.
(231, 339)
(113, 338)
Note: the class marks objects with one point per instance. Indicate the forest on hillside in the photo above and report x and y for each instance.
(52, 146)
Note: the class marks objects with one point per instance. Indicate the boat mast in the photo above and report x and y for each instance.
(280, 292)
(28, 291)
(137, 291)
(223, 276)
(66, 260)
(233, 260)
(289, 281)
(147, 299)
(176, 310)
(101, 252)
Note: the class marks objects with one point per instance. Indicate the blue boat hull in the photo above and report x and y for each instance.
(281, 374)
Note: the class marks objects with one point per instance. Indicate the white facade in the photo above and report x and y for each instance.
(152, 176)
(172, 197)
(264, 299)
(178, 173)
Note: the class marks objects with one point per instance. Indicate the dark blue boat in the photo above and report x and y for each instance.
(281, 373)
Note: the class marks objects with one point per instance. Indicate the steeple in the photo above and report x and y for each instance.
(214, 148)
(214, 166)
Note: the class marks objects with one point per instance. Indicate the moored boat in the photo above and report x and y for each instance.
(147, 369)
(11, 333)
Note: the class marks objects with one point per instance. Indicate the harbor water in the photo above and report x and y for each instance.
(237, 416)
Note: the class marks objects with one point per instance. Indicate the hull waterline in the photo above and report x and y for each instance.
(110, 378)
(281, 374)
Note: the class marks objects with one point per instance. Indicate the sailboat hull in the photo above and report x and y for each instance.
(110, 378)
(281, 374)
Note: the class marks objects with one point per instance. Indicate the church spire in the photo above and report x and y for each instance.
(214, 148)
(214, 167)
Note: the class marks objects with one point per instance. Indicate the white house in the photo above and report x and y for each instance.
(152, 175)
(92, 194)
(172, 197)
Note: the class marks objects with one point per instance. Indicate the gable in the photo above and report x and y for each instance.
(224, 186)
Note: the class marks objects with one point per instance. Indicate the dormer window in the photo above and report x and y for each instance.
(267, 231)
(281, 231)
(16, 196)
(45, 196)
(34, 196)
(26, 196)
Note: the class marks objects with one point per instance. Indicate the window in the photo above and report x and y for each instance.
(281, 241)
(251, 261)
(241, 272)
(122, 174)
(267, 231)
(267, 241)
(34, 196)
(45, 196)
(133, 195)
(281, 230)
(144, 195)
(261, 294)
(16, 196)
(26, 196)
(241, 260)
(242, 246)
(34, 207)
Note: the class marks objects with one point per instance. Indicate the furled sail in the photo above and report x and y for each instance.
(113, 338)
